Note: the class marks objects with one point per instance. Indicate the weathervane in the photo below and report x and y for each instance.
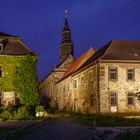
(66, 12)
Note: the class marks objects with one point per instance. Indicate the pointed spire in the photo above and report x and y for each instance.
(66, 46)
(66, 25)
(66, 12)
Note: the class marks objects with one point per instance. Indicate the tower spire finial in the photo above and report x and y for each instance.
(66, 12)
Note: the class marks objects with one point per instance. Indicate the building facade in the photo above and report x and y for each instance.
(104, 81)
(12, 53)
(66, 59)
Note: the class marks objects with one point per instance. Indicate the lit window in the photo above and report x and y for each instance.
(75, 84)
(130, 74)
(113, 99)
(113, 74)
(0, 72)
(130, 98)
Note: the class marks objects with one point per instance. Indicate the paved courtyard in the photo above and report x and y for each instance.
(57, 129)
(63, 129)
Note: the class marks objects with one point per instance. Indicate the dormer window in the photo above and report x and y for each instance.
(1, 47)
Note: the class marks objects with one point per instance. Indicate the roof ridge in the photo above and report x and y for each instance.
(25, 46)
(79, 62)
(109, 44)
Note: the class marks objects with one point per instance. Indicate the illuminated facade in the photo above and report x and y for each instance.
(12, 53)
(103, 81)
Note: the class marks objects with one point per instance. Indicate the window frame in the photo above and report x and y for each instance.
(68, 86)
(82, 80)
(113, 95)
(131, 96)
(109, 74)
(64, 89)
(75, 83)
(133, 74)
(90, 76)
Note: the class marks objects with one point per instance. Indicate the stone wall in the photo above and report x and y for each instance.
(121, 87)
(78, 92)
(47, 86)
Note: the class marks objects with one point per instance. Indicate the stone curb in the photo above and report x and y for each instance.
(4, 136)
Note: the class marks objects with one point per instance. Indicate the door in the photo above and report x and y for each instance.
(113, 102)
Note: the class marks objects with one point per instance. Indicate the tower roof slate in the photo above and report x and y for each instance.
(66, 25)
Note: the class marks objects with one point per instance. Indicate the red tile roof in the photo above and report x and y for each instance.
(79, 62)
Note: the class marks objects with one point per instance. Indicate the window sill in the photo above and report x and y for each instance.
(113, 80)
(130, 80)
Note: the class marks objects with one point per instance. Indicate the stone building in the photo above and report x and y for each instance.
(12, 53)
(66, 58)
(103, 81)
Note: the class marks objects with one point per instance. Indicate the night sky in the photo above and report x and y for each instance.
(92, 23)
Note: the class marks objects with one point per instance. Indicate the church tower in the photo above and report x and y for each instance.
(66, 46)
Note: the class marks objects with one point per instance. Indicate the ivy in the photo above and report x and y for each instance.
(19, 75)
(26, 83)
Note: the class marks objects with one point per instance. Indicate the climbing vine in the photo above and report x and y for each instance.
(19, 75)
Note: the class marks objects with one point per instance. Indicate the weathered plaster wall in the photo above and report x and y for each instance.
(81, 98)
(121, 86)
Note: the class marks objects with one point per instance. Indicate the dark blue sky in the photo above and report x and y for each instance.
(92, 22)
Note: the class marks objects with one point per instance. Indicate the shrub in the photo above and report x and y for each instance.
(22, 114)
(40, 109)
(7, 115)
(53, 107)
(1, 109)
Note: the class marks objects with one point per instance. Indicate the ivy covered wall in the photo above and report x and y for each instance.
(19, 75)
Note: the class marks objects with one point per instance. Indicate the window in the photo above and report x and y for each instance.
(59, 89)
(0, 72)
(90, 76)
(82, 80)
(113, 74)
(130, 98)
(113, 99)
(91, 100)
(68, 86)
(75, 84)
(130, 74)
(64, 89)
